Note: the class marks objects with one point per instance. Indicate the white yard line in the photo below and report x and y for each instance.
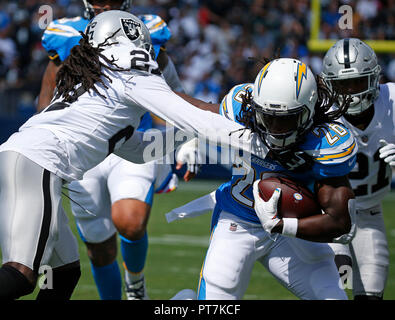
(199, 185)
(179, 240)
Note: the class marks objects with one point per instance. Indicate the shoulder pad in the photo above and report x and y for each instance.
(230, 106)
(160, 32)
(62, 35)
(330, 143)
(387, 92)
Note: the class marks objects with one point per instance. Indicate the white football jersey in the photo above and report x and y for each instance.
(371, 176)
(69, 139)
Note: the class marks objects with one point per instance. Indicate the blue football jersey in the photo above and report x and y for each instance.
(63, 34)
(159, 31)
(332, 148)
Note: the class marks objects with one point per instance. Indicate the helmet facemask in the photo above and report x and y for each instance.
(282, 129)
(362, 88)
(89, 12)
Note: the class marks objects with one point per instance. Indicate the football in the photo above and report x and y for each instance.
(296, 200)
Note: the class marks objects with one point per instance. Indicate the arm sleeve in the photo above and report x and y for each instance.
(171, 76)
(152, 144)
(159, 31)
(153, 94)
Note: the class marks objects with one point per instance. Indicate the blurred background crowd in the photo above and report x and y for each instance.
(215, 43)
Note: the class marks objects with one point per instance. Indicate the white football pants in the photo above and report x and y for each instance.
(112, 180)
(34, 229)
(369, 250)
(305, 268)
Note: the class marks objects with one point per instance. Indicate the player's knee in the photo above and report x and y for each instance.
(14, 284)
(134, 231)
(104, 253)
(326, 284)
(130, 217)
(223, 285)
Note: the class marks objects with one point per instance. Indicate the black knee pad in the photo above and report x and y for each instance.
(64, 282)
(13, 284)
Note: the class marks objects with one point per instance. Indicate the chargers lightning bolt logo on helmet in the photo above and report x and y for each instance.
(300, 74)
(263, 75)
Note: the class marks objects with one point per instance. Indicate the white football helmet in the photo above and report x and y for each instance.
(89, 12)
(351, 67)
(284, 98)
(115, 24)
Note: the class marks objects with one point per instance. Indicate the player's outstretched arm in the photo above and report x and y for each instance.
(153, 94)
(152, 144)
(207, 106)
(48, 84)
(333, 195)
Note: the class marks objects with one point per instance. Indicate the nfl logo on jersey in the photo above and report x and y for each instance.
(131, 28)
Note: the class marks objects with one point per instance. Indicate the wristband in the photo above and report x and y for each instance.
(290, 227)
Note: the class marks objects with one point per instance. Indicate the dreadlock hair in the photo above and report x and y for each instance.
(326, 99)
(83, 66)
(247, 114)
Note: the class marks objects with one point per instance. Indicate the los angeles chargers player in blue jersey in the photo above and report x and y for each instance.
(289, 111)
(119, 193)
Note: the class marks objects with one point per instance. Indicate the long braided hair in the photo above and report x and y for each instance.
(83, 66)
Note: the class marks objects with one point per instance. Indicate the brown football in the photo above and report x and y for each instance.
(296, 200)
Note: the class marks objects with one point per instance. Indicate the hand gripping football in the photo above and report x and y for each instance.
(296, 201)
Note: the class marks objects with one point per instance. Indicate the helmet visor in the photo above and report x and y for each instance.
(282, 123)
(351, 85)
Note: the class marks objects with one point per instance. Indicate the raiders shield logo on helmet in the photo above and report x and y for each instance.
(131, 28)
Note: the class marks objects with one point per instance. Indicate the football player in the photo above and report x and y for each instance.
(117, 191)
(104, 87)
(289, 112)
(350, 66)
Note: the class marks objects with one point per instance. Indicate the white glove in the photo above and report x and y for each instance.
(266, 210)
(346, 238)
(387, 152)
(189, 153)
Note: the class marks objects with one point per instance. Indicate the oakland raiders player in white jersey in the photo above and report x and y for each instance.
(118, 193)
(104, 87)
(351, 67)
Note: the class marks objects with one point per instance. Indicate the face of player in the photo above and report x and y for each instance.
(100, 6)
(278, 124)
(351, 86)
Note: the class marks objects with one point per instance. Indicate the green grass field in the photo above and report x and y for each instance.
(177, 250)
